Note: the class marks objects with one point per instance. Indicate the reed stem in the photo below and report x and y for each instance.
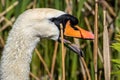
(96, 38)
(63, 53)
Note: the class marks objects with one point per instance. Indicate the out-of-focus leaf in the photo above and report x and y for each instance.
(116, 61)
(116, 46)
(116, 72)
(118, 21)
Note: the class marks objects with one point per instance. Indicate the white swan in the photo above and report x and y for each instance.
(28, 29)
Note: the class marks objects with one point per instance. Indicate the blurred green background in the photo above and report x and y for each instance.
(84, 10)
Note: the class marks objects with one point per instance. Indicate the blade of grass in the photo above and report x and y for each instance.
(85, 66)
(89, 8)
(80, 6)
(7, 24)
(54, 58)
(36, 78)
(45, 65)
(69, 9)
(2, 41)
(63, 53)
(106, 53)
(9, 8)
(110, 9)
(96, 38)
(82, 63)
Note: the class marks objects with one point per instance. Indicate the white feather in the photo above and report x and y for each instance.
(23, 38)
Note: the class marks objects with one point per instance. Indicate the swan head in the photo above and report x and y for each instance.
(70, 27)
(45, 23)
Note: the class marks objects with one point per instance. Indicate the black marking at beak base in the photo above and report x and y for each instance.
(63, 19)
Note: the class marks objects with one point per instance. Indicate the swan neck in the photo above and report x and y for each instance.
(16, 57)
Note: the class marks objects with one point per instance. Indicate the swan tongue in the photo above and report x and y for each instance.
(73, 47)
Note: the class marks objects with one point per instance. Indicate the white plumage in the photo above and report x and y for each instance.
(26, 32)
(22, 40)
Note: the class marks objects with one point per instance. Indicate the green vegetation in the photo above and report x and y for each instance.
(84, 10)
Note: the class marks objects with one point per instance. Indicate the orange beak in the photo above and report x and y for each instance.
(80, 33)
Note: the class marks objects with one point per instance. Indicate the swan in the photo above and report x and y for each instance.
(31, 26)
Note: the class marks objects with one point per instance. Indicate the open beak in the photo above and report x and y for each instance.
(73, 47)
(79, 33)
